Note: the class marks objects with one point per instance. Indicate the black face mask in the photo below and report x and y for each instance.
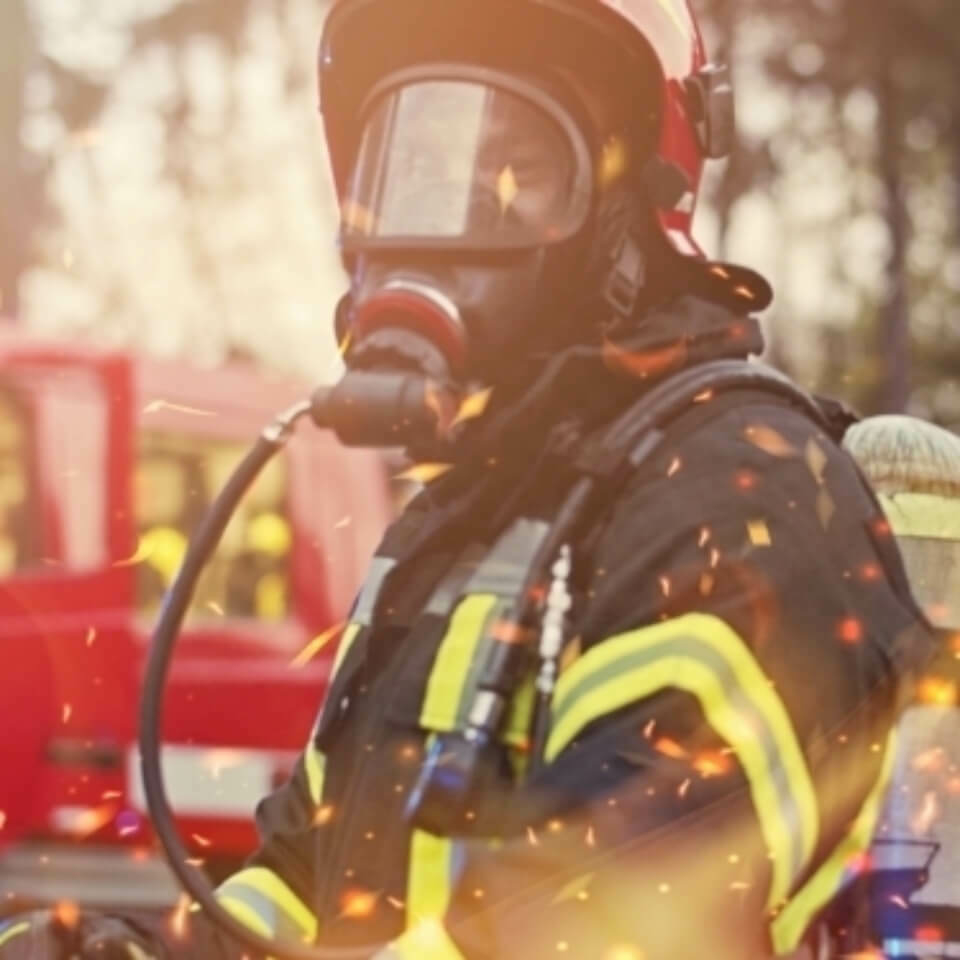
(468, 226)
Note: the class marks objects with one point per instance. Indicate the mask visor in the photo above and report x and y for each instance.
(455, 163)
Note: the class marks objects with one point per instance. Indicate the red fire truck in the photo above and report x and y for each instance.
(106, 464)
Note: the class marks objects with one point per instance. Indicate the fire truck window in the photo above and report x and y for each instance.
(19, 536)
(176, 479)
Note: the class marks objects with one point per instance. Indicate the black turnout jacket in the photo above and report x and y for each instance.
(742, 637)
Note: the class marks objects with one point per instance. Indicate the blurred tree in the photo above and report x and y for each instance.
(19, 183)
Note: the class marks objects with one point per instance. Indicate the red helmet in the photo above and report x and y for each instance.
(650, 51)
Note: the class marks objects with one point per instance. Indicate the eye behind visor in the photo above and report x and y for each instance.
(472, 159)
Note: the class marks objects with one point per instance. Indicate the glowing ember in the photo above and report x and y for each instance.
(643, 364)
(215, 607)
(707, 583)
(745, 480)
(669, 748)
(665, 586)
(759, 533)
(474, 405)
(649, 728)
(323, 815)
(507, 188)
(770, 441)
(898, 901)
(850, 630)
(201, 840)
(178, 921)
(3, 819)
(399, 904)
(705, 535)
(683, 788)
(532, 837)
(704, 397)
(590, 838)
(66, 712)
(930, 761)
(937, 692)
(155, 406)
(343, 523)
(622, 951)
(712, 764)
(67, 913)
(926, 815)
(674, 467)
(357, 904)
(315, 646)
(613, 161)
(425, 472)
(91, 636)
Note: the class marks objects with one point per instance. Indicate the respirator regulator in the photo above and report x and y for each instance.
(468, 186)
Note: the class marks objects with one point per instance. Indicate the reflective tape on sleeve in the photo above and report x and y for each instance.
(8, 933)
(922, 515)
(701, 655)
(838, 870)
(445, 700)
(258, 898)
(314, 761)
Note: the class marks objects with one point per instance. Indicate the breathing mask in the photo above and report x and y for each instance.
(466, 224)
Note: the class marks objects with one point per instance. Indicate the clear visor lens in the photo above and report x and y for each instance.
(454, 160)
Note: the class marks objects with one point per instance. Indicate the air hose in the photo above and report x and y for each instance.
(400, 408)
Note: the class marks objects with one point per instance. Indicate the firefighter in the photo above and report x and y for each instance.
(722, 629)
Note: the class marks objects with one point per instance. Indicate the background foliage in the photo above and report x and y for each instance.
(164, 183)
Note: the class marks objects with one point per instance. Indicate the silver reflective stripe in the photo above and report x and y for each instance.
(280, 923)
(693, 648)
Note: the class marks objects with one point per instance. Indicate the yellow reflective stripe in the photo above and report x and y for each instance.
(451, 667)
(789, 926)
(429, 880)
(703, 656)
(314, 761)
(922, 515)
(15, 930)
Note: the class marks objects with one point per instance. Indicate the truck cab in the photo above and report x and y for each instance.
(107, 463)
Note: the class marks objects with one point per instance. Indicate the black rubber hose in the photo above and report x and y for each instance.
(174, 609)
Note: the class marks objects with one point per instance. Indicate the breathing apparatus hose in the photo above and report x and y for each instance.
(175, 606)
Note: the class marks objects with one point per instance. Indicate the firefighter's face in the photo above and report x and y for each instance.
(473, 196)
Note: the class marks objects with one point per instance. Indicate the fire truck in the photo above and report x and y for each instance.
(107, 462)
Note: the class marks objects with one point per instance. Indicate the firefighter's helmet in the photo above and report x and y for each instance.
(649, 51)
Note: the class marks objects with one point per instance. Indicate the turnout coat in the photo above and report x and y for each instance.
(741, 638)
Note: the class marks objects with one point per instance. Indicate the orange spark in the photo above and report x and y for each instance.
(315, 646)
(357, 904)
(670, 748)
(937, 692)
(712, 764)
(201, 840)
(759, 533)
(178, 920)
(850, 630)
(532, 837)
(674, 467)
(67, 914)
(91, 636)
(705, 535)
(770, 441)
(323, 815)
(66, 712)
(156, 405)
(424, 472)
(474, 405)
(930, 761)
(926, 815)
(590, 838)
(643, 364)
(665, 586)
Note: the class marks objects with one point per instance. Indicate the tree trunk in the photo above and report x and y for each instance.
(14, 205)
(894, 330)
